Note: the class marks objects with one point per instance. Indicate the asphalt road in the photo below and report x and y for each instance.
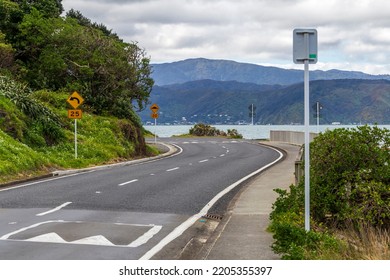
(128, 212)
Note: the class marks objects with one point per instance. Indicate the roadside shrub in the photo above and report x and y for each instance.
(233, 133)
(349, 198)
(350, 176)
(287, 224)
(201, 129)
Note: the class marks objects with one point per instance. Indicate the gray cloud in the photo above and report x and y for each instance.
(352, 34)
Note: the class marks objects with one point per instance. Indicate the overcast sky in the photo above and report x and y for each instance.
(352, 34)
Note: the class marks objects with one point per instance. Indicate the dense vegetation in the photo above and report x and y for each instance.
(201, 129)
(350, 199)
(43, 58)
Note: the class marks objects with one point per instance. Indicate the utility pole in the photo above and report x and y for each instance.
(252, 113)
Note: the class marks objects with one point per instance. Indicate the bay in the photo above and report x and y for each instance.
(247, 131)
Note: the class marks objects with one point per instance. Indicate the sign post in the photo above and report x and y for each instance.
(154, 116)
(305, 45)
(75, 100)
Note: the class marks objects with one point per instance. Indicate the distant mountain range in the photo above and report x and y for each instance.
(226, 70)
(221, 92)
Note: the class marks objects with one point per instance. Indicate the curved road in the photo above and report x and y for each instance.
(128, 212)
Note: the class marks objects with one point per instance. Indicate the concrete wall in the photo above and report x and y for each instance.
(295, 138)
(291, 137)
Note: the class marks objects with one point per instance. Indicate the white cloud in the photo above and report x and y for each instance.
(353, 35)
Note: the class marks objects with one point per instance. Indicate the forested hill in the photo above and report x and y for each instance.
(44, 57)
(346, 101)
(226, 70)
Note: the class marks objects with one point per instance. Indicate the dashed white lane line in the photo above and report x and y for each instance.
(129, 182)
(53, 210)
(222, 155)
(205, 160)
(173, 169)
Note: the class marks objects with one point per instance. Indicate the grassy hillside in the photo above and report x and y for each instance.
(28, 147)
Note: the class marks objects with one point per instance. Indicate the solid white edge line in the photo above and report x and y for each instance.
(178, 231)
(54, 210)
(44, 181)
(84, 172)
(129, 182)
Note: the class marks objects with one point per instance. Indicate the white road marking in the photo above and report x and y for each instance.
(98, 192)
(99, 240)
(152, 174)
(44, 181)
(129, 182)
(173, 169)
(178, 231)
(205, 160)
(145, 237)
(54, 210)
(222, 155)
(6, 236)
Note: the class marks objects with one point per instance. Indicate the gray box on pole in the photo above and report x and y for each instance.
(300, 50)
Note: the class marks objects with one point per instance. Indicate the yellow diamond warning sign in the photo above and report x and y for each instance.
(75, 100)
(154, 108)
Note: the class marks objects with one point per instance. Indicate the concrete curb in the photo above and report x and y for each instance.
(171, 151)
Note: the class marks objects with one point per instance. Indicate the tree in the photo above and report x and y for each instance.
(6, 53)
(60, 53)
(48, 8)
(84, 21)
(10, 16)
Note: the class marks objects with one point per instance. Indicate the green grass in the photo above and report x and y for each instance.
(25, 151)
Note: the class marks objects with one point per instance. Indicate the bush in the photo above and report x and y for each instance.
(201, 129)
(350, 191)
(287, 224)
(233, 133)
(350, 176)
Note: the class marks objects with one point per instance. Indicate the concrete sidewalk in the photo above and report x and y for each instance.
(242, 233)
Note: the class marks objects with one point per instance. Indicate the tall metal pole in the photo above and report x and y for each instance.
(307, 135)
(75, 138)
(155, 130)
(318, 117)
